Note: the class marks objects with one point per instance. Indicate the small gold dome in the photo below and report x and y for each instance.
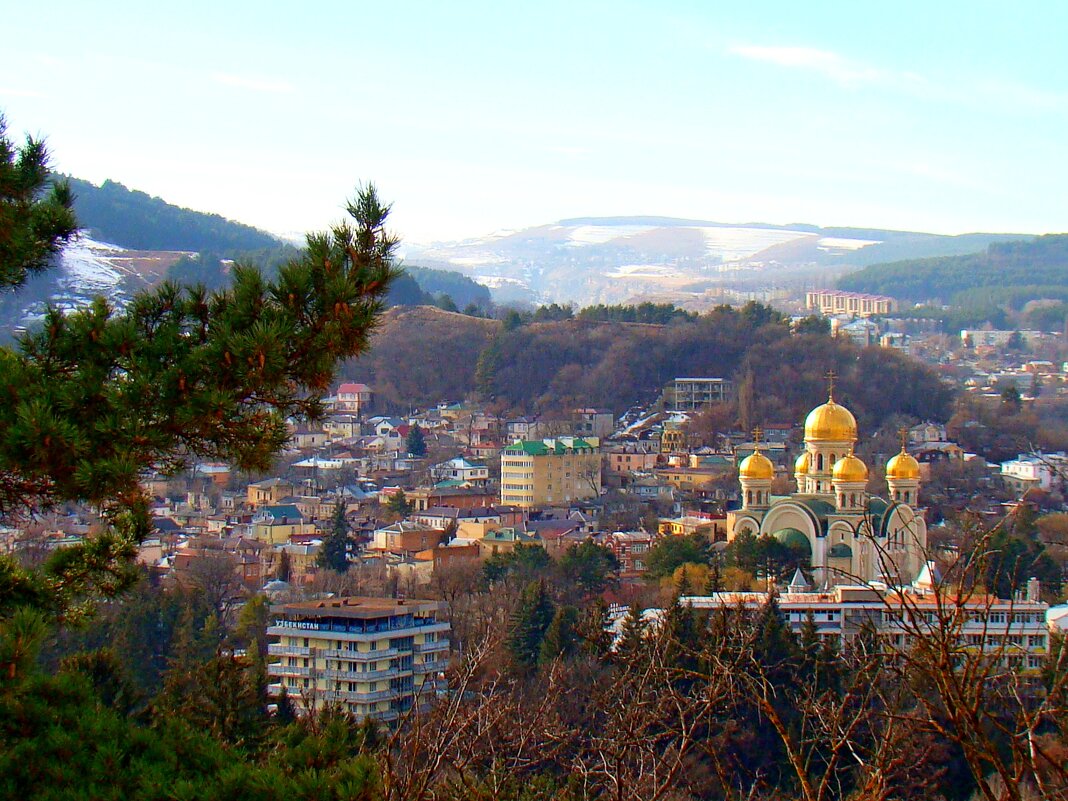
(849, 468)
(756, 465)
(803, 463)
(903, 466)
(830, 423)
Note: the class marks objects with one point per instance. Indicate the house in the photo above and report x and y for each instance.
(505, 540)
(342, 426)
(710, 525)
(460, 497)
(406, 538)
(355, 398)
(1035, 470)
(598, 423)
(303, 437)
(279, 523)
(270, 491)
(461, 470)
(631, 549)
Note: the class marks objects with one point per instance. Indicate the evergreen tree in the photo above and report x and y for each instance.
(631, 639)
(529, 622)
(714, 583)
(36, 217)
(95, 398)
(398, 504)
(416, 442)
(589, 566)
(334, 553)
(561, 638)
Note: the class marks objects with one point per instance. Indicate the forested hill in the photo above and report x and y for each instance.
(1005, 270)
(423, 355)
(112, 213)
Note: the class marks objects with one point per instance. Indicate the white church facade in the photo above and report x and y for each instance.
(849, 535)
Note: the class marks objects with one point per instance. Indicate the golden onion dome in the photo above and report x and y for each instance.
(756, 465)
(903, 466)
(803, 463)
(830, 423)
(849, 468)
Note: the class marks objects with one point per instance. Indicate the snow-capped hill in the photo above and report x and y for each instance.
(87, 269)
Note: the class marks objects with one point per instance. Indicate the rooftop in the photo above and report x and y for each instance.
(359, 607)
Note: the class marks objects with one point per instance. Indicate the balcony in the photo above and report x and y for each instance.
(360, 656)
(431, 647)
(278, 669)
(436, 666)
(370, 675)
(364, 698)
(277, 649)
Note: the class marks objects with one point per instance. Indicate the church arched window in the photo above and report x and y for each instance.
(819, 462)
(749, 497)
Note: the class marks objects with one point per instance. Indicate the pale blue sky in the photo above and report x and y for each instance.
(472, 117)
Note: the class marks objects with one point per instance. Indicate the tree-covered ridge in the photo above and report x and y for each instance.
(560, 362)
(112, 213)
(1002, 272)
(462, 290)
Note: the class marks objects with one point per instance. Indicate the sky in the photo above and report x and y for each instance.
(947, 117)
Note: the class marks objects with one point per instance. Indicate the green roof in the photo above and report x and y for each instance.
(536, 447)
(792, 538)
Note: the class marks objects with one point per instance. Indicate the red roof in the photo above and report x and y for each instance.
(352, 389)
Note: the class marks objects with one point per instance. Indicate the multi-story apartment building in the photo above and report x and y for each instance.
(1012, 630)
(691, 394)
(550, 471)
(832, 301)
(377, 656)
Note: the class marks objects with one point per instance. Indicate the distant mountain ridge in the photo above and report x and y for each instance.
(587, 260)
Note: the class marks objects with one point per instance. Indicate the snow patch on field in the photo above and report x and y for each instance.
(732, 244)
(841, 243)
(601, 234)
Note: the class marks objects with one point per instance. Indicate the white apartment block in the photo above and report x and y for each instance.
(378, 656)
(1015, 630)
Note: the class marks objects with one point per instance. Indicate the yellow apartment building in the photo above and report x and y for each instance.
(544, 472)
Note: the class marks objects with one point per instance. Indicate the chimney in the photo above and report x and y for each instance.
(1034, 590)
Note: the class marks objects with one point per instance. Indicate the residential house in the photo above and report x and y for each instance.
(460, 470)
(355, 398)
(270, 491)
(279, 523)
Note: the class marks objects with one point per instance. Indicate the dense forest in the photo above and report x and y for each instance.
(1005, 272)
(423, 356)
(112, 213)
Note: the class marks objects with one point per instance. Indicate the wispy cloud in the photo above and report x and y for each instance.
(253, 84)
(825, 62)
(851, 73)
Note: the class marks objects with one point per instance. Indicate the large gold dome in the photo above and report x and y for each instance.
(849, 468)
(830, 423)
(903, 466)
(756, 465)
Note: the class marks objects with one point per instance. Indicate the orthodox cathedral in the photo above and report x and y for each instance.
(850, 536)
